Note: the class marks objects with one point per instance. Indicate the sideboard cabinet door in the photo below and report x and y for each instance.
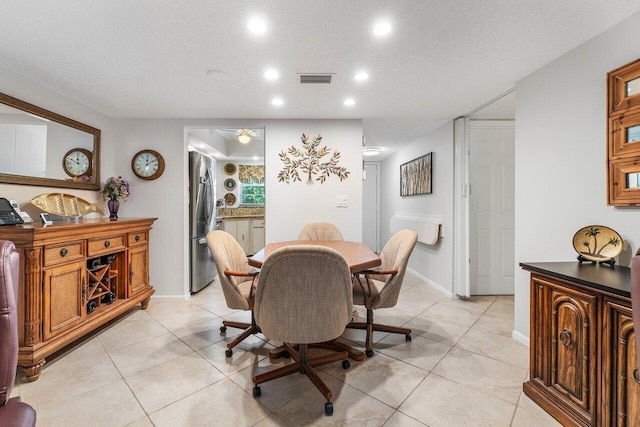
(63, 306)
(620, 390)
(138, 269)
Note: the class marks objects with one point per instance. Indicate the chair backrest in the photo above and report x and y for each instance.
(635, 301)
(304, 295)
(9, 260)
(229, 256)
(394, 256)
(320, 231)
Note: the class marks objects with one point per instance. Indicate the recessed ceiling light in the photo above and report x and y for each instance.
(361, 76)
(349, 102)
(382, 28)
(270, 74)
(257, 26)
(217, 74)
(277, 102)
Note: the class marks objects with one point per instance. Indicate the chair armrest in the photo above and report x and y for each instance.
(241, 273)
(374, 271)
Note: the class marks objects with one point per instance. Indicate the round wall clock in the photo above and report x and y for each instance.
(229, 168)
(147, 164)
(77, 162)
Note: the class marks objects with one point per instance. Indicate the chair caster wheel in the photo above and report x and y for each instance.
(257, 392)
(223, 329)
(328, 409)
(407, 338)
(346, 364)
(286, 355)
(368, 352)
(228, 353)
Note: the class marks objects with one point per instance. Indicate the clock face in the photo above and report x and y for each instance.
(148, 164)
(77, 162)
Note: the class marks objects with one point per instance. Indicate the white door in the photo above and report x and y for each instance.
(370, 213)
(492, 207)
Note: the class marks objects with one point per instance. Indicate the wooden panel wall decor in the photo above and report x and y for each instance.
(623, 135)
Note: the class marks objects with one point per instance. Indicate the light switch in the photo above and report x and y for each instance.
(342, 201)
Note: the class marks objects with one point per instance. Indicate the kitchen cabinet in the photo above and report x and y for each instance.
(582, 348)
(257, 235)
(248, 232)
(74, 278)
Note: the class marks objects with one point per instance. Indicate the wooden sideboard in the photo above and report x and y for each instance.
(582, 344)
(75, 277)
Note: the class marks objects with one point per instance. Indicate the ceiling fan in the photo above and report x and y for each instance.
(244, 135)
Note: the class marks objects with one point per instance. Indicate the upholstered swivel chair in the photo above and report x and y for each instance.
(320, 231)
(635, 306)
(237, 281)
(13, 412)
(303, 296)
(380, 288)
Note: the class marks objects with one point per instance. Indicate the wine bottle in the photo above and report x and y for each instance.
(108, 259)
(91, 306)
(108, 298)
(94, 263)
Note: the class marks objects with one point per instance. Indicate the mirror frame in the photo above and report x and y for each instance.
(52, 182)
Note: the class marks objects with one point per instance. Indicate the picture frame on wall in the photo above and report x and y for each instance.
(415, 176)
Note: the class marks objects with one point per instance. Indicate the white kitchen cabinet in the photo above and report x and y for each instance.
(257, 234)
(240, 229)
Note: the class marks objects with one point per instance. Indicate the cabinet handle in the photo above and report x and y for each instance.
(137, 238)
(107, 243)
(565, 338)
(635, 375)
(64, 252)
(84, 290)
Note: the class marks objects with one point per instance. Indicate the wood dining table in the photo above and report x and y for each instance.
(358, 255)
(359, 258)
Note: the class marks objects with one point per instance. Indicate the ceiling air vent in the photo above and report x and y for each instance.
(315, 78)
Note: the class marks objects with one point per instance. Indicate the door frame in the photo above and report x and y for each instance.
(377, 228)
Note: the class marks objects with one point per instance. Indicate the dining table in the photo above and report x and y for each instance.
(359, 258)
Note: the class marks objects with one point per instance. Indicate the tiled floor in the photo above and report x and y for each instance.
(166, 367)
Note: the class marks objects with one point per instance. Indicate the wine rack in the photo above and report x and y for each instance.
(102, 288)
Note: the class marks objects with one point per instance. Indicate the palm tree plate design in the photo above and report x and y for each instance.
(597, 243)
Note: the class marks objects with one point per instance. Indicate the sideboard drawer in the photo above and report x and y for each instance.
(137, 237)
(105, 245)
(57, 254)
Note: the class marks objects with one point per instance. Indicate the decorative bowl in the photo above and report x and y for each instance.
(597, 243)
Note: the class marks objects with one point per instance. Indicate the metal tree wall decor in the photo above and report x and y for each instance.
(308, 161)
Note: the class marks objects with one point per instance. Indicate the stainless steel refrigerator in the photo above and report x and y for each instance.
(202, 218)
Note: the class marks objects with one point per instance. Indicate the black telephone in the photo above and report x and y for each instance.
(8, 215)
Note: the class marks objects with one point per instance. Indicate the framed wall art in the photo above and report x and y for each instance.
(415, 176)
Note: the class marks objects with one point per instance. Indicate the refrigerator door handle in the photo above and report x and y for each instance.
(202, 241)
(208, 197)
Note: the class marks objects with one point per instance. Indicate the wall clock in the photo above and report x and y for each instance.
(147, 164)
(77, 162)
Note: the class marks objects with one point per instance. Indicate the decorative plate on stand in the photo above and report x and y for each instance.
(597, 243)
(229, 198)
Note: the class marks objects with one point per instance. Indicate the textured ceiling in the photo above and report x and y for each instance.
(150, 59)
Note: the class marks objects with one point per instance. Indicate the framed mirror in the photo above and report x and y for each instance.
(40, 147)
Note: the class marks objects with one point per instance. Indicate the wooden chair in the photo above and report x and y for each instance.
(635, 306)
(380, 288)
(13, 412)
(303, 296)
(320, 231)
(237, 278)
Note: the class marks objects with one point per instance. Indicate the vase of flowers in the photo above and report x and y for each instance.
(113, 190)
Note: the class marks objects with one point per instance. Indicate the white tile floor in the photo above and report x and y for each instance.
(166, 367)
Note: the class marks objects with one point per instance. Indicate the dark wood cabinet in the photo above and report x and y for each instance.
(582, 348)
(75, 277)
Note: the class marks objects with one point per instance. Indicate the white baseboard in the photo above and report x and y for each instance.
(184, 297)
(520, 338)
(431, 283)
